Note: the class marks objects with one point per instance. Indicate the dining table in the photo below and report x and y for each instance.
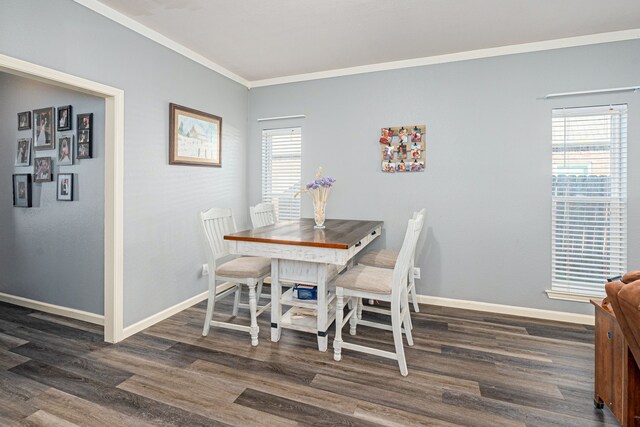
(303, 254)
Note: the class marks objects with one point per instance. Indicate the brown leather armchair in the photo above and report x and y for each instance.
(624, 297)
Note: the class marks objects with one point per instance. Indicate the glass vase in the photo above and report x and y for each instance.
(318, 213)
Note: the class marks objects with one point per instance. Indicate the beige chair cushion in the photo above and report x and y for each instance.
(368, 279)
(382, 258)
(245, 268)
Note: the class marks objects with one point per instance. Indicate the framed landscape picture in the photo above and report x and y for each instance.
(195, 137)
(65, 187)
(43, 169)
(44, 129)
(22, 190)
(24, 120)
(23, 153)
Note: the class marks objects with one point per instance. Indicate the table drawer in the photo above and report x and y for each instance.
(355, 249)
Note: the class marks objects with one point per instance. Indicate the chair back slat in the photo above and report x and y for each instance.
(262, 214)
(407, 252)
(217, 222)
(422, 236)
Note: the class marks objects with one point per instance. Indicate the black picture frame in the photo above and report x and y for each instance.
(64, 190)
(44, 129)
(66, 151)
(22, 196)
(43, 169)
(84, 140)
(23, 152)
(24, 120)
(65, 119)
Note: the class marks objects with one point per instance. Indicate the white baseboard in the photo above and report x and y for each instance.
(164, 314)
(536, 313)
(73, 313)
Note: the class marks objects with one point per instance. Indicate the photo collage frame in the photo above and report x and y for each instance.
(403, 149)
(30, 152)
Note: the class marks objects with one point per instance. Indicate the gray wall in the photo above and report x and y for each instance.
(487, 185)
(52, 252)
(163, 246)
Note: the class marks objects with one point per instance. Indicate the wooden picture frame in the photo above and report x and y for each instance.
(195, 137)
(84, 144)
(64, 190)
(65, 119)
(43, 169)
(23, 152)
(65, 150)
(24, 120)
(44, 130)
(22, 190)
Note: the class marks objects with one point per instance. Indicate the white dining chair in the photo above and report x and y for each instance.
(385, 258)
(249, 271)
(382, 284)
(263, 214)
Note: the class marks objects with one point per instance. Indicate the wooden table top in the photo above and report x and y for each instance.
(337, 234)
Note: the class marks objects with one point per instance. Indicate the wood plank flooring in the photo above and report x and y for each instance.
(466, 368)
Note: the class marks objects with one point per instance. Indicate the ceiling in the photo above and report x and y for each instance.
(265, 39)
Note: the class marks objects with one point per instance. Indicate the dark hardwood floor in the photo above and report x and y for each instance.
(466, 368)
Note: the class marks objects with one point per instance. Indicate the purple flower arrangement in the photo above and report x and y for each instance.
(319, 191)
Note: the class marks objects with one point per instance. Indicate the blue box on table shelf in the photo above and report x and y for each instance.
(305, 292)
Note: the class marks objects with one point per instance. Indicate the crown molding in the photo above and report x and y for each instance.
(456, 57)
(147, 32)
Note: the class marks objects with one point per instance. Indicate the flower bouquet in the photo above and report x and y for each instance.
(319, 191)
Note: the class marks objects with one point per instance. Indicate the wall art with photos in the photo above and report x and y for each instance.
(43, 169)
(22, 190)
(195, 137)
(65, 187)
(44, 129)
(24, 120)
(64, 118)
(23, 152)
(403, 149)
(65, 150)
(85, 136)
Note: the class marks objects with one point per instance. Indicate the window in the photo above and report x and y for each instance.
(589, 198)
(281, 170)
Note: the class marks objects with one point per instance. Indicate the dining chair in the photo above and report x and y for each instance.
(263, 214)
(385, 258)
(382, 284)
(249, 271)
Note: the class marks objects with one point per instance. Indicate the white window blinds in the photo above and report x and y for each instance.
(589, 197)
(281, 170)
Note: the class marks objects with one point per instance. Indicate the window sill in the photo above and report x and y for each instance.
(568, 296)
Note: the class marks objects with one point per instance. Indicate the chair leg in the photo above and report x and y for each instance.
(259, 291)
(412, 291)
(414, 298)
(337, 341)
(211, 302)
(236, 301)
(353, 321)
(396, 325)
(359, 310)
(253, 308)
(406, 321)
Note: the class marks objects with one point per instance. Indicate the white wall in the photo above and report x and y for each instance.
(487, 185)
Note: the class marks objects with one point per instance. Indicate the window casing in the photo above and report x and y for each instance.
(589, 198)
(281, 170)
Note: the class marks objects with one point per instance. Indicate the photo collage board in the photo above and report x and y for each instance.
(38, 150)
(403, 149)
